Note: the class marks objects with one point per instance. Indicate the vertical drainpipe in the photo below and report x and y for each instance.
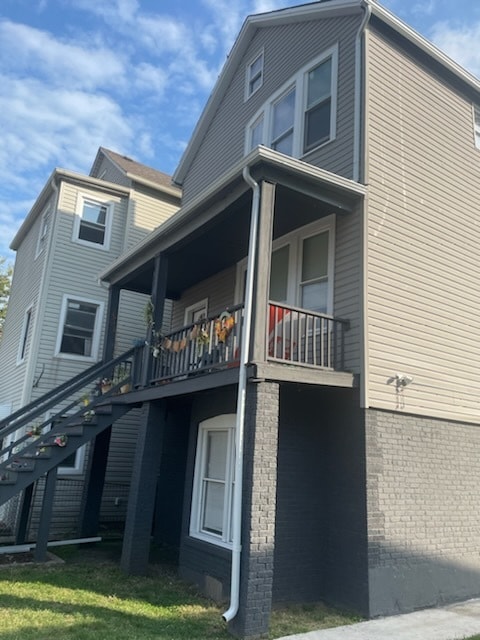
(241, 396)
(358, 131)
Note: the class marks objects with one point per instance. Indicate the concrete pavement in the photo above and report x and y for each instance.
(453, 622)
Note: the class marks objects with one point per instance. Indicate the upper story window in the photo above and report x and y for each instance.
(43, 233)
(476, 125)
(79, 330)
(302, 114)
(93, 222)
(254, 76)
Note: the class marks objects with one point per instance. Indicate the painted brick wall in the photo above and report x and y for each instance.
(423, 482)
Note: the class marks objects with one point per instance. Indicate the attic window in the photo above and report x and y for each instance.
(476, 125)
(254, 75)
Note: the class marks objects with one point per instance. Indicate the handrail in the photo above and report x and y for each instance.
(29, 412)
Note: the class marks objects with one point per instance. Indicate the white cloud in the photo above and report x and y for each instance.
(151, 79)
(23, 48)
(426, 8)
(460, 43)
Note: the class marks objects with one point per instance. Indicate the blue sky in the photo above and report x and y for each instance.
(133, 76)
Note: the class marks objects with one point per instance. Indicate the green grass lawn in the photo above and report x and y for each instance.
(89, 598)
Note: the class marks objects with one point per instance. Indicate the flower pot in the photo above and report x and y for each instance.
(105, 388)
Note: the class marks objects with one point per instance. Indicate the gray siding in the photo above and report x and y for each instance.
(423, 238)
(306, 40)
(110, 173)
(219, 290)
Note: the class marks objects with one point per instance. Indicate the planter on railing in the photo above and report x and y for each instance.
(307, 338)
(211, 343)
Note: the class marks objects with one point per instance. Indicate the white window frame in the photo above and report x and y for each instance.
(96, 331)
(250, 79)
(26, 329)
(43, 231)
(224, 422)
(191, 309)
(79, 467)
(295, 241)
(300, 81)
(476, 125)
(82, 200)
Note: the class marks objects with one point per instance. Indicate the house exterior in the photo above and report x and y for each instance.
(57, 311)
(353, 151)
(309, 426)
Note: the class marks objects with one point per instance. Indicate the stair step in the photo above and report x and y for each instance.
(103, 409)
(74, 429)
(20, 465)
(40, 454)
(59, 440)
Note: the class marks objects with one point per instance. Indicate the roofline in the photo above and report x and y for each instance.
(258, 155)
(251, 23)
(423, 44)
(305, 12)
(57, 176)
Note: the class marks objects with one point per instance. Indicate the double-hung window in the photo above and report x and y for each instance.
(22, 347)
(301, 115)
(211, 516)
(93, 222)
(79, 332)
(254, 75)
(43, 232)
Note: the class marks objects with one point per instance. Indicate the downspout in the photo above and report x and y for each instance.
(358, 145)
(241, 395)
(357, 114)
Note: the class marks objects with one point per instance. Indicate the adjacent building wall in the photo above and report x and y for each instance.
(423, 305)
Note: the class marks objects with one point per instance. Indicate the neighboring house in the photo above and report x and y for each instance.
(318, 394)
(56, 315)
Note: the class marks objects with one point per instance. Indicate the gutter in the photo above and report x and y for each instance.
(357, 110)
(241, 401)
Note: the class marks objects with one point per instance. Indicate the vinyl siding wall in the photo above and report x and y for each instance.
(423, 238)
(146, 212)
(112, 173)
(24, 293)
(305, 41)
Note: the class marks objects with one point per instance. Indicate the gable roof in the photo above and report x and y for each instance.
(136, 171)
(301, 13)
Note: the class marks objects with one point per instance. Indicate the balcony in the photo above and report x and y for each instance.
(294, 337)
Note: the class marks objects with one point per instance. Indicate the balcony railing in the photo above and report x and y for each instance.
(209, 344)
(306, 338)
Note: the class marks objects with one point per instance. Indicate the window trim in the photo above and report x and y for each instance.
(82, 199)
(190, 310)
(295, 241)
(96, 329)
(224, 422)
(249, 92)
(300, 82)
(23, 343)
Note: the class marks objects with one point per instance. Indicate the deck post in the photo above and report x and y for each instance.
(143, 485)
(262, 283)
(46, 516)
(159, 289)
(24, 513)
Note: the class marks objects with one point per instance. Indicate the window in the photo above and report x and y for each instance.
(79, 333)
(211, 517)
(476, 125)
(92, 223)
(74, 463)
(302, 114)
(22, 347)
(254, 76)
(196, 312)
(301, 268)
(43, 233)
